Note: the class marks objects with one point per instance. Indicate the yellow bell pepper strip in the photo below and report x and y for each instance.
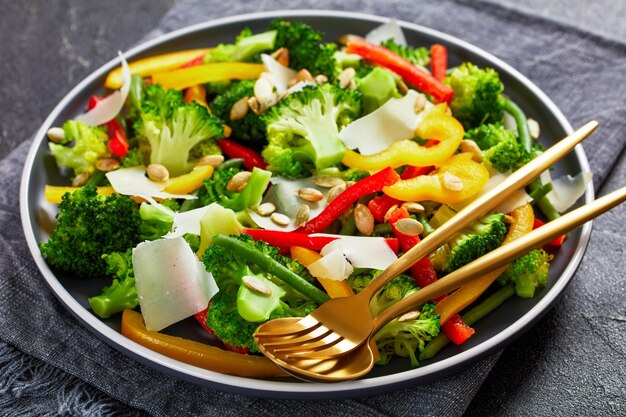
(186, 183)
(436, 125)
(54, 193)
(200, 74)
(472, 175)
(523, 223)
(334, 288)
(196, 93)
(153, 64)
(196, 353)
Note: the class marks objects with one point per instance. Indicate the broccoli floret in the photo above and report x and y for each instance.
(502, 149)
(122, 293)
(215, 189)
(134, 158)
(407, 338)
(477, 95)
(173, 128)
(472, 243)
(354, 174)
(377, 88)
(250, 127)
(392, 292)
(90, 144)
(528, 273)
(303, 129)
(193, 240)
(88, 226)
(156, 221)
(235, 300)
(305, 46)
(416, 56)
(246, 47)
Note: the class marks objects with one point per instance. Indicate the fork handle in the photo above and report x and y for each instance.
(501, 256)
(479, 207)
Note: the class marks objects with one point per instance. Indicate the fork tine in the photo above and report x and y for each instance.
(328, 341)
(314, 336)
(304, 325)
(333, 350)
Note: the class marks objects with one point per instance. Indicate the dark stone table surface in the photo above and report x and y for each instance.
(48, 47)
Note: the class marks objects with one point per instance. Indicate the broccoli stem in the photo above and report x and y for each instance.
(115, 299)
(349, 226)
(271, 266)
(543, 203)
(96, 178)
(231, 163)
(383, 229)
(472, 316)
(523, 133)
(428, 229)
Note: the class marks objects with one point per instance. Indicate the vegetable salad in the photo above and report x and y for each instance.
(258, 179)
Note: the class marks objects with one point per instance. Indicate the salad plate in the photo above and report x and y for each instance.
(492, 333)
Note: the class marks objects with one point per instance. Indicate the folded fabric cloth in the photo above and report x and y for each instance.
(576, 70)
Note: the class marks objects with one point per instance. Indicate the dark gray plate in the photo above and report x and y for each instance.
(492, 333)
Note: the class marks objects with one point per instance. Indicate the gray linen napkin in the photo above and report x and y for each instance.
(576, 69)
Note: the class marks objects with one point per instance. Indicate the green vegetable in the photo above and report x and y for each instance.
(407, 338)
(305, 46)
(122, 293)
(394, 291)
(88, 226)
(134, 158)
(245, 48)
(193, 240)
(528, 273)
(156, 221)
(416, 56)
(303, 129)
(376, 89)
(251, 127)
(472, 316)
(477, 95)
(502, 149)
(229, 259)
(354, 174)
(173, 128)
(90, 144)
(472, 243)
(215, 189)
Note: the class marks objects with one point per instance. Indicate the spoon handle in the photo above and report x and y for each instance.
(501, 256)
(480, 207)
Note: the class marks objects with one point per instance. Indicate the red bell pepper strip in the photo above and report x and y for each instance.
(412, 171)
(194, 62)
(201, 318)
(423, 271)
(118, 144)
(412, 74)
(438, 61)
(285, 240)
(372, 184)
(557, 241)
(457, 330)
(250, 158)
(380, 205)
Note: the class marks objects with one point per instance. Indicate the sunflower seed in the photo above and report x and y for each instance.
(409, 227)
(107, 164)
(346, 77)
(413, 207)
(302, 215)
(280, 219)
(213, 160)
(239, 181)
(239, 109)
(363, 219)
(282, 56)
(471, 147)
(266, 209)
(420, 103)
(256, 285)
(56, 134)
(81, 179)
(533, 127)
(335, 191)
(452, 182)
(390, 212)
(327, 181)
(402, 87)
(310, 194)
(411, 315)
(157, 172)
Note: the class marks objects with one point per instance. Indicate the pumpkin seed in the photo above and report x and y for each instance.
(411, 315)
(327, 181)
(310, 194)
(56, 134)
(157, 172)
(213, 160)
(363, 219)
(413, 207)
(409, 227)
(452, 182)
(266, 209)
(239, 181)
(239, 109)
(256, 285)
(280, 219)
(81, 179)
(107, 164)
(302, 215)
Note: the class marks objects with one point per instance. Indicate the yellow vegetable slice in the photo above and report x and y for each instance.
(54, 193)
(187, 183)
(200, 74)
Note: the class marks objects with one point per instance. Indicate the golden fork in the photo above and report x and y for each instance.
(360, 360)
(342, 324)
